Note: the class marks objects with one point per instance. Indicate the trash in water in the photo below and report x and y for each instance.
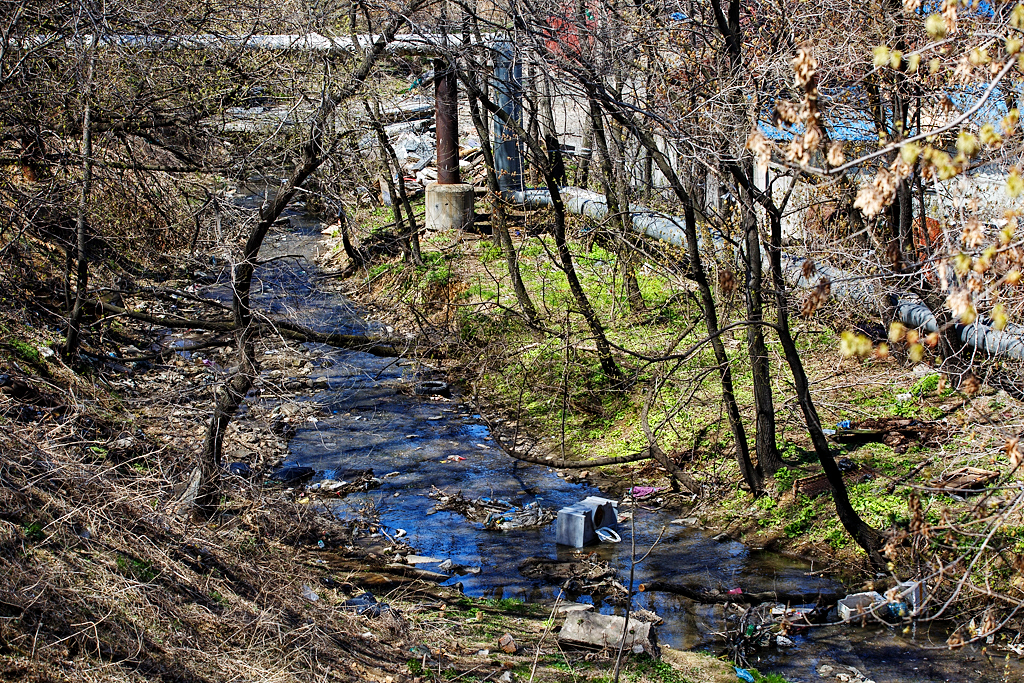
(530, 515)
(432, 388)
(644, 491)
(577, 524)
(240, 469)
(734, 591)
(494, 514)
(452, 458)
(584, 575)
(293, 474)
(783, 641)
(355, 480)
(856, 604)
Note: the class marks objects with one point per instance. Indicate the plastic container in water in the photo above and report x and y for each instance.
(852, 605)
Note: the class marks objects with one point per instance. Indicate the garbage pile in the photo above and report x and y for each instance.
(354, 482)
(494, 514)
(413, 137)
(584, 575)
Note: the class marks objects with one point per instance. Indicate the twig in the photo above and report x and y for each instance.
(547, 629)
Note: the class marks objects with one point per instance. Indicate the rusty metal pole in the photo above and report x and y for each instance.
(446, 97)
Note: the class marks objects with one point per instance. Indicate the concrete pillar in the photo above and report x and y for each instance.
(450, 203)
(449, 207)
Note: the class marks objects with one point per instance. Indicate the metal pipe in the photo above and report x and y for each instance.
(1008, 342)
(402, 44)
(508, 88)
(446, 97)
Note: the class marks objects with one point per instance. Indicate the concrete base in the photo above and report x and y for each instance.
(449, 207)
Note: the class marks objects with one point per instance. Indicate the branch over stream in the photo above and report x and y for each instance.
(708, 596)
(354, 342)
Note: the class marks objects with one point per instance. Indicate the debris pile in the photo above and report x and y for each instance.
(583, 576)
(495, 514)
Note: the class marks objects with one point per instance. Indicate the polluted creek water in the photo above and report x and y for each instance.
(369, 419)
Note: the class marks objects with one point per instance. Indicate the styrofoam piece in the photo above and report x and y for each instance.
(912, 592)
(847, 607)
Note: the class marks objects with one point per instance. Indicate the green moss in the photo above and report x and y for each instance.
(26, 352)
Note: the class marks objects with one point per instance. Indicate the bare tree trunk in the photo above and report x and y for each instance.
(82, 223)
(747, 470)
(864, 534)
(765, 445)
(583, 169)
(498, 223)
(732, 411)
(618, 209)
(604, 349)
(399, 199)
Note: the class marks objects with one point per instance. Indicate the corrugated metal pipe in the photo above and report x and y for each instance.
(911, 312)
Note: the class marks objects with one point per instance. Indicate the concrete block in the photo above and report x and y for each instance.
(449, 207)
(912, 592)
(605, 631)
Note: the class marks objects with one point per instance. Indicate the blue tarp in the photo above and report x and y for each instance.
(845, 112)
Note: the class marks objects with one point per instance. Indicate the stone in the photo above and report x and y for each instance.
(507, 644)
(575, 607)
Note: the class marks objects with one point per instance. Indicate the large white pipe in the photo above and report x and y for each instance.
(912, 312)
(401, 44)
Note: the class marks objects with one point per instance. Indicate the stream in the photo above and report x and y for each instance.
(365, 422)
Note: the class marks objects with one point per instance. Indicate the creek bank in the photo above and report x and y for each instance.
(743, 522)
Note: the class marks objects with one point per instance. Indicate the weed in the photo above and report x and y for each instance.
(653, 670)
(140, 570)
(26, 352)
(784, 478)
(491, 253)
(925, 385)
(34, 532)
(802, 520)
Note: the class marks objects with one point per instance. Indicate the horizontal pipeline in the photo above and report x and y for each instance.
(910, 311)
(401, 44)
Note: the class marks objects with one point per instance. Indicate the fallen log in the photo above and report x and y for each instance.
(711, 596)
(415, 573)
